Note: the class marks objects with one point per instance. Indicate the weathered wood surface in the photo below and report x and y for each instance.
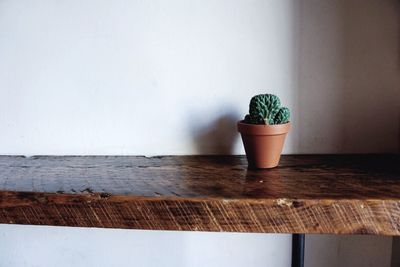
(342, 194)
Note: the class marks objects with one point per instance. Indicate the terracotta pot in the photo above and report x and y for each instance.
(263, 143)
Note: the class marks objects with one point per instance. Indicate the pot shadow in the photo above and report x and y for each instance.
(217, 137)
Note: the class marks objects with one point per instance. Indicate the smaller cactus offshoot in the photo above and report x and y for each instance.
(266, 109)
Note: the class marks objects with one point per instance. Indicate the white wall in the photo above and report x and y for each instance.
(173, 77)
(64, 246)
(100, 77)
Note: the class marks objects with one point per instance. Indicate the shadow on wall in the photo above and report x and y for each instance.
(347, 70)
(217, 137)
(348, 73)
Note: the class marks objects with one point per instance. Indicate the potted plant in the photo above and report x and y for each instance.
(264, 130)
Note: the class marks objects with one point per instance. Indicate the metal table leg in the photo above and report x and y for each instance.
(298, 246)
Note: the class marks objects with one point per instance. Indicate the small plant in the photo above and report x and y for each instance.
(266, 109)
(263, 145)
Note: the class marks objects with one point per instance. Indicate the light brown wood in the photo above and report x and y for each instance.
(347, 194)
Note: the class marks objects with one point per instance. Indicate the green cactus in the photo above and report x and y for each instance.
(266, 109)
(282, 116)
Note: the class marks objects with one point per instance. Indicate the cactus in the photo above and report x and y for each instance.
(282, 116)
(266, 109)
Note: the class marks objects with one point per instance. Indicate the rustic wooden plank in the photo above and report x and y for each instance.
(341, 194)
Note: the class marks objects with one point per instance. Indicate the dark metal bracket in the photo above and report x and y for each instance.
(298, 247)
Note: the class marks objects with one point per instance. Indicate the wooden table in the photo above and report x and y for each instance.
(331, 194)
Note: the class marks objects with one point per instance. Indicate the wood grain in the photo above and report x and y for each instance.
(341, 194)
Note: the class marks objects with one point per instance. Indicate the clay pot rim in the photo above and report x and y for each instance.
(262, 129)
